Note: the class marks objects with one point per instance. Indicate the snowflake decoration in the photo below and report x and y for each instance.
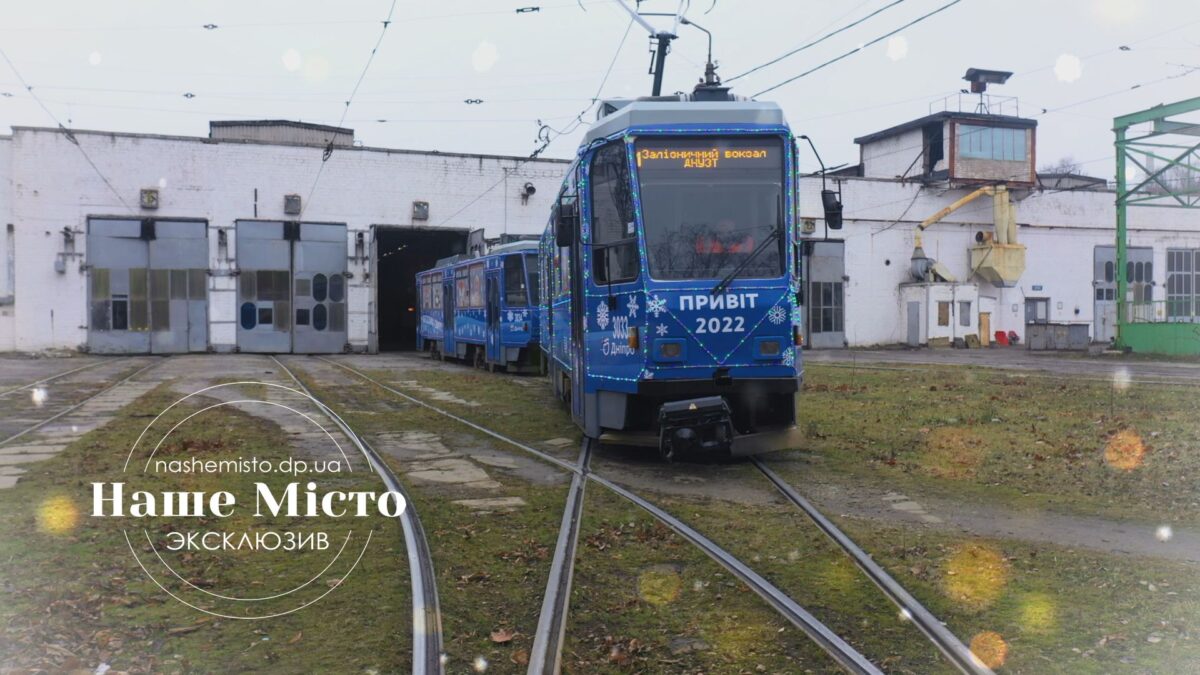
(602, 315)
(797, 317)
(633, 306)
(661, 329)
(789, 357)
(776, 315)
(656, 306)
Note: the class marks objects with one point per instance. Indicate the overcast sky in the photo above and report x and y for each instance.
(127, 65)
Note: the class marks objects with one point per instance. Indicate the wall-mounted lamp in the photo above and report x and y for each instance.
(68, 250)
(223, 244)
(527, 191)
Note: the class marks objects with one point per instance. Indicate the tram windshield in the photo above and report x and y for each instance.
(708, 203)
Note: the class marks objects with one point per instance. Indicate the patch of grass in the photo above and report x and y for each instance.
(523, 407)
(974, 436)
(491, 567)
(1055, 609)
(646, 600)
(74, 597)
(978, 433)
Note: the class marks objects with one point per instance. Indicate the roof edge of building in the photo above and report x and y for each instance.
(919, 122)
(213, 141)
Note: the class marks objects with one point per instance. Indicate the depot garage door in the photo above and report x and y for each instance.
(291, 287)
(147, 286)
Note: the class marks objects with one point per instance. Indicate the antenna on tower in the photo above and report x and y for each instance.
(980, 78)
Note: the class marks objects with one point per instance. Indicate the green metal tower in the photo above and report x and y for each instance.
(1166, 152)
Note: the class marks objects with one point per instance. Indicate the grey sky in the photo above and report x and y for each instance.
(126, 65)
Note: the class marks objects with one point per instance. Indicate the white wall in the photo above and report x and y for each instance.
(895, 156)
(53, 187)
(1059, 229)
(7, 273)
(927, 296)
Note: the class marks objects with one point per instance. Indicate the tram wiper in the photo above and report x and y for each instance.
(724, 283)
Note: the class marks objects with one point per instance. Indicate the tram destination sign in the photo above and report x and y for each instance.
(711, 157)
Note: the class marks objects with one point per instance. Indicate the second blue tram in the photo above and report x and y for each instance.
(482, 310)
(670, 277)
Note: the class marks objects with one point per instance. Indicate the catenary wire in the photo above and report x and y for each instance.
(549, 139)
(817, 41)
(859, 48)
(70, 136)
(349, 100)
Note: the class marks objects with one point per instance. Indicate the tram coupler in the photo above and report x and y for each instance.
(698, 425)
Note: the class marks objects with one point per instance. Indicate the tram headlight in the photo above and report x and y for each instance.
(669, 350)
(769, 347)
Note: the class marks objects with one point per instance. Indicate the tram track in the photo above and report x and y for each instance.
(947, 643)
(79, 404)
(546, 654)
(44, 380)
(428, 652)
(549, 656)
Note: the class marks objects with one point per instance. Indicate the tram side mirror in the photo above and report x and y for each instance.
(567, 220)
(833, 209)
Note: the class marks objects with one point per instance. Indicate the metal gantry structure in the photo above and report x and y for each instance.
(1168, 156)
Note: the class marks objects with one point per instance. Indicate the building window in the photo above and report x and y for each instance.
(964, 313)
(998, 143)
(1183, 284)
(827, 314)
(943, 313)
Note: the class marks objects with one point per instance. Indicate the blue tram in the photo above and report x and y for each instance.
(670, 277)
(482, 310)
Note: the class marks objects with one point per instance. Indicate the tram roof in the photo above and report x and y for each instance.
(638, 113)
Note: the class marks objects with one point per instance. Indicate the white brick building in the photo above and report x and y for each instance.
(391, 212)
(49, 194)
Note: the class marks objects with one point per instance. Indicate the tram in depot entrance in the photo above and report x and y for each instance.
(670, 277)
(482, 310)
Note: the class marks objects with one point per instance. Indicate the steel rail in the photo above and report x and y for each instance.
(78, 405)
(55, 377)
(954, 650)
(546, 654)
(837, 648)
(426, 615)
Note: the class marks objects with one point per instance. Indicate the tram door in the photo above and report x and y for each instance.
(493, 317)
(448, 346)
(574, 261)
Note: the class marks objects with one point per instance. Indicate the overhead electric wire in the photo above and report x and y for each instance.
(818, 41)
(550, 139)
(860, 47)
(259, 25)
(578, 119)
(345, 110)
(70, 136)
